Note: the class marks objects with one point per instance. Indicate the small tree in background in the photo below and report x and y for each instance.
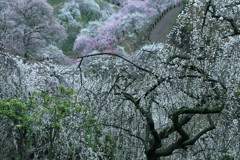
(29, 25)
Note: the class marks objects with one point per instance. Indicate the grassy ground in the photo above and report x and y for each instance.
(55, 2)
(184, 3)
(101, 3)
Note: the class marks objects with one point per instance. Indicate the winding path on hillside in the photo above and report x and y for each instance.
(164, 26)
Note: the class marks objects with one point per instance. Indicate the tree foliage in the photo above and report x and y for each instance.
(28, 25)
(51, 126)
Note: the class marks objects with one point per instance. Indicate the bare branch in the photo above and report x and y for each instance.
(126, 130)
(116, 55)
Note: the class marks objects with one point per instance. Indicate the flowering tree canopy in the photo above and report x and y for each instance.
(131, 17)
(168, 102)
(28, 25)
(179, 100)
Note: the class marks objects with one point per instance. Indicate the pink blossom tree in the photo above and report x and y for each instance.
(159, 5)
(84, 44)
(130, 18)
(133, 6)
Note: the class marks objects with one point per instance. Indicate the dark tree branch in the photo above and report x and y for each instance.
(170, 129)
(150, 122)
(116, 55)
(198, 135)
(126, 130)
(230, 20)
(205, 15)
(198, 110)
(185, 139)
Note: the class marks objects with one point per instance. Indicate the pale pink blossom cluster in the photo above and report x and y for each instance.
(132, 16)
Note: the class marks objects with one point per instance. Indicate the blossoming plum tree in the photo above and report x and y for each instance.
(178, 100)
(29, 25)
(167, 103)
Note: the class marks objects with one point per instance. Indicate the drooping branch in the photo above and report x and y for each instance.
(202, 132)
(198, 110)
(204, 75)
(149, 119)
(185, 138)
(182, 143)
(164, 133)
(205, 14)
(209, 5)
(166, 151)
(232, 22)
(119, 56)
(129, 132)
(178, 127)
(160, 81)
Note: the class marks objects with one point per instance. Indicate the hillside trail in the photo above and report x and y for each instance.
(164, 26)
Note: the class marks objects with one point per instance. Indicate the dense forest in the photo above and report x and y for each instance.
(120, 79)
